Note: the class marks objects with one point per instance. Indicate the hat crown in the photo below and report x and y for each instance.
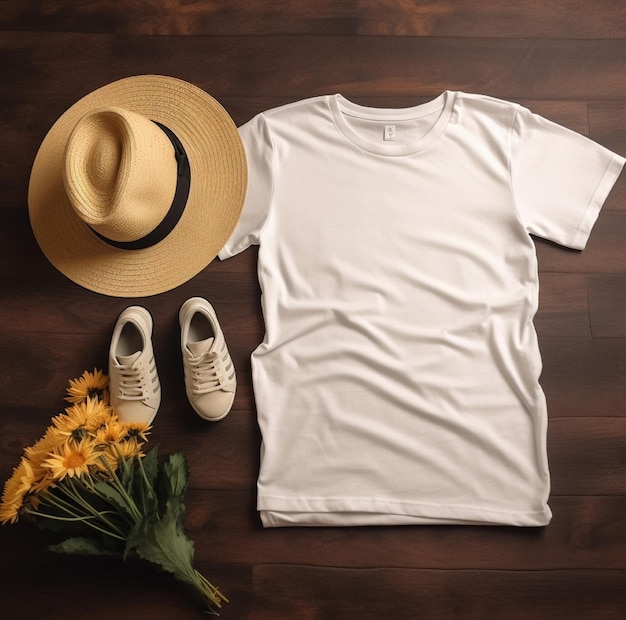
(120, 173)
(75, 210)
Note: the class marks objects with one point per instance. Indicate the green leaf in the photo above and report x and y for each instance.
(173, 484)
(177, 474)
(125, 473)
(81, 545)
(150, 466)
(114, 498)
(161, 540)
(165, 545)
(144, 484)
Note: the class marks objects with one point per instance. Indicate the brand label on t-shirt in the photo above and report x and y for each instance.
(390, 132)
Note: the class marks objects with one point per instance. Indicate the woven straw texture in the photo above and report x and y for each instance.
(218, 186)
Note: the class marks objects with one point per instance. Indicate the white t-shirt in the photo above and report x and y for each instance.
(397, 382)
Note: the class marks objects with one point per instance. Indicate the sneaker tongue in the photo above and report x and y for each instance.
(198, 348)
(127, 360)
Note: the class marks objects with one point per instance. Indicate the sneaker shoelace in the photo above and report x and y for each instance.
(207, 372)
(130, 386)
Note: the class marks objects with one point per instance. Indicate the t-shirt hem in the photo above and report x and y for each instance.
(283, 512)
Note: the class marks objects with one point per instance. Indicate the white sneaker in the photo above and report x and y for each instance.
(135, 390)
(210, 380)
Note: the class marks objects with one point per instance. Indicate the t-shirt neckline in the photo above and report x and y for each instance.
(340, 107)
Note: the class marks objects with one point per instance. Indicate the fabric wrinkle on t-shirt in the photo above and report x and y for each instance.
(398, 378)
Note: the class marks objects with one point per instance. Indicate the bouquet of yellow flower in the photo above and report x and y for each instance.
(89, 480)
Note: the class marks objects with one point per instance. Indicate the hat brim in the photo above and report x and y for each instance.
(218, 186)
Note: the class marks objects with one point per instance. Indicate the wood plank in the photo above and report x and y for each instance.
(586, 533)
(587, 456)
(510, 69)
(526, 18)
(563, 305)
(607, 306)
(607, 121)
(65, 310)
(605, 252)
(617, 198)
(297, 591)
(192, 17)
(48, 361)
(583, 377)
(572, 304)
(310, 593)
(130, 590)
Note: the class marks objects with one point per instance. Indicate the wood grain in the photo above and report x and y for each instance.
(222, 65)
(607, 305)
(156, 17)
(412, 593)
(527, 18)
(563, 60)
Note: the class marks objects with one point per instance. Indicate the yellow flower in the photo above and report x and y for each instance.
(138, 431)
(15, 489)
(39, 450)
(130, 449)
(111, 433)
(81, 419)
(121, 451)
(91, 385)
(100, 419)
(38, 453)
(72, 459)
(113, 438)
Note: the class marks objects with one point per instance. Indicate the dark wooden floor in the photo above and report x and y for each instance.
(563, 59)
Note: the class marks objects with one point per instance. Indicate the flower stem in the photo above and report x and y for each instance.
(87, 520)
(72, 492)
(123, 492)
(212, 592)
(209, 592)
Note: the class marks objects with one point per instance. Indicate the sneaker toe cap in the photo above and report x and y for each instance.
(135, 411)
(213, 406)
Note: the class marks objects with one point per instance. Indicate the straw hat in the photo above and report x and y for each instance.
(138, 186)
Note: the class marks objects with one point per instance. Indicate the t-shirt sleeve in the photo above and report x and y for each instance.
(560, 179)
(257, 143)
